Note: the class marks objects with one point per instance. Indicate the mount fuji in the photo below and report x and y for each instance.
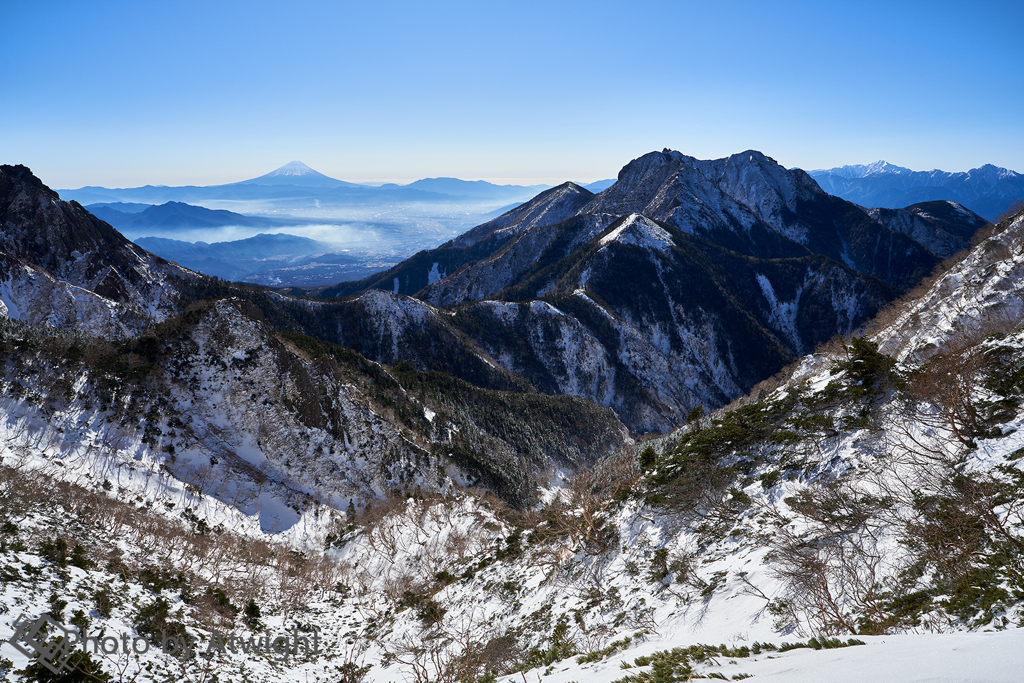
(297, 173)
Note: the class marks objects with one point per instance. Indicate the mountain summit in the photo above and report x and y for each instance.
(296, 173)
(294, 168)
(683, 284)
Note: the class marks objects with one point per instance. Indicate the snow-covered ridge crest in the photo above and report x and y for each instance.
(983, 294)
(639, 231)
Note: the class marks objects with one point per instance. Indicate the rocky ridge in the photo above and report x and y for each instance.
(735, 266)
(62, 266)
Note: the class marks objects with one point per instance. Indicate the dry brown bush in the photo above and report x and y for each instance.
(246, 568)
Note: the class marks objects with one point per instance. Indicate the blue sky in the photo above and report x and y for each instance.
(130, 93)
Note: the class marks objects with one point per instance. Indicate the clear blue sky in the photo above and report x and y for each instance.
(125, 93)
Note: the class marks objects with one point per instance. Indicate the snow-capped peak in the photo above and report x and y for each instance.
(297, 173)
(852, 171)
(293, 168)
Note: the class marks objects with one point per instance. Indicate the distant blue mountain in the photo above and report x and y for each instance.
(260, 247)
(599, 185)
(475, 189)
(120, 207)
(264, 259)
(988, 190)
(175, 215)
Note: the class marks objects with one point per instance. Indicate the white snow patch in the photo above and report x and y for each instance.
(433, 276)
(783, 313)
(639, 231)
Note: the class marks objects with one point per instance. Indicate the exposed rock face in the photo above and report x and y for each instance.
(684, 283)
(750, 204)
(696, 324)
(63, 267)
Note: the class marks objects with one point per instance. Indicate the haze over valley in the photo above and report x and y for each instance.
(349, 230)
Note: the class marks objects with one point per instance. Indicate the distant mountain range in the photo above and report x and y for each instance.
(297, 183)
(599, 185)
(172, 216)
(475, 189)
(267, 259)
(277, 259)
(988, 191)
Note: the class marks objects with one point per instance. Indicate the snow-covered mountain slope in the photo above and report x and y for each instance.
(979, 296)
(549, 207)
(943, 228)
(64, 267)
(218, 388)
(697, 325)
(514, 262)
(988, 190)
(856, 497)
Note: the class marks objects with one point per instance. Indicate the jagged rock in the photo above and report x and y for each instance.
(63, 267)
(683, 284)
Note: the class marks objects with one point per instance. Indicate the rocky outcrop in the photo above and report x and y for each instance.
(63, 267)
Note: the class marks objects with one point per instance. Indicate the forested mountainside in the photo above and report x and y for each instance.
(193, 481)
(682, 285)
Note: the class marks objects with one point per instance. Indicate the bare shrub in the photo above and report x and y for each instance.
(948, 382)
(831, 570)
